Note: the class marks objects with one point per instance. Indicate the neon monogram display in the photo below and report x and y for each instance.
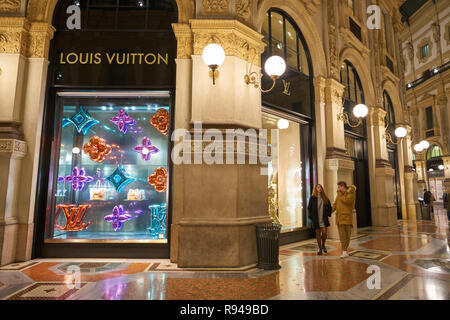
(97, 149)
(146, 149)
(123, 121)
(161, 121)
(158, 179)
(74, 217)
(78, 178)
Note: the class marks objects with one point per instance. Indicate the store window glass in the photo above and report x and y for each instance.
(285, 171)
(109, 172)
(293, 91)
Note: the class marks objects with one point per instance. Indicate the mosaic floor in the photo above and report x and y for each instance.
(412, 259)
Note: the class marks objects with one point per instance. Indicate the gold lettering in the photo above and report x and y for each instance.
(133, 55)
(110, 59)
(123, 59)
(86, 60)
(161, 58)
(98, 58)
(72, 54)
(140, 57)
(287, 88)
(61, 59)
(128, 58)
(150, 54)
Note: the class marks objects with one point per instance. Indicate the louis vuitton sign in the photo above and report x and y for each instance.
(113, 58)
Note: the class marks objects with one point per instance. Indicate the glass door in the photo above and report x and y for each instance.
(108, 177)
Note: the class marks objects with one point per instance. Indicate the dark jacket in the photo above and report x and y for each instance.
(313, 214)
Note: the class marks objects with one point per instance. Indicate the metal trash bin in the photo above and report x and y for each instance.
(426, 209)
(267, 239)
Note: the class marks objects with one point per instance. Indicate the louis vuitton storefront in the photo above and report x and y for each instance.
(104, 180)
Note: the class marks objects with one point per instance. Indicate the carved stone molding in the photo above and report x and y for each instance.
(232, 35)
(10, 6)
(18, 35)
(436, 32)
(333, 91)
(332, 39)
(11, 130)
(422, 43)
(183, 33)
(12, 148)
(311, 6)
(376, 116)
(447, 33)
(244, 10)
(215, 7)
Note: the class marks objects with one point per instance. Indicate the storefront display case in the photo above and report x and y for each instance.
(108, 178)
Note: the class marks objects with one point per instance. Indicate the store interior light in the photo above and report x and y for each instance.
(401, 132)
(283, 124)
(76, 150)
(431, 170)
(213, 56)
(441, 167)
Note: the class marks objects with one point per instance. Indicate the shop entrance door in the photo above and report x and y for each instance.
(357, 148)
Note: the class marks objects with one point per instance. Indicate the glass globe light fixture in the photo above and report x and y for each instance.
(425, 144)
(360, 111)
(418, 147)
(401, 132)
(283, 124)
(213, 56)
(275, 66)
(441, 167)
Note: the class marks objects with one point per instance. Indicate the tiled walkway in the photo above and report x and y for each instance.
(413, 259)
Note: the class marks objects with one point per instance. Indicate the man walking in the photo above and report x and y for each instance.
(344, 206)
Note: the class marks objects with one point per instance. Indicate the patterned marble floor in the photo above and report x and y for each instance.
(413, 260)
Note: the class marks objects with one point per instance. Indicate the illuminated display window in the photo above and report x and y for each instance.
(109, 172)
(285, 179)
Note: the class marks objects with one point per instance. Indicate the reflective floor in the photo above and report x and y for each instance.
(412, 260)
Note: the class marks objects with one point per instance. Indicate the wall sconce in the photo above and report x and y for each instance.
(213, 56)
(400, 133)
(360, 111)
(421, 146)
(274, 66)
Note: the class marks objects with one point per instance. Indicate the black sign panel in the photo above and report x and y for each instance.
(116, 58)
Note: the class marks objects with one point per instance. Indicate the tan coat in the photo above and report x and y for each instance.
(344, 206)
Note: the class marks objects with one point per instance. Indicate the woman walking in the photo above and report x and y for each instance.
(319, 209)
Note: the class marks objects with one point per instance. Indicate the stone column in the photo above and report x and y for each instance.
(412, 203)
(216, 206)
(421, 169)
(23, 65)
(446, 160)
(384, 213)
(337, 164)
(12, 151)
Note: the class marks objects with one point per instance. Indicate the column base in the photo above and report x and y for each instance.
(8, 242)
(212, 244)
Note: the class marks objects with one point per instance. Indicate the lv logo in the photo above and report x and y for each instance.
(287, 87)
(74, 217)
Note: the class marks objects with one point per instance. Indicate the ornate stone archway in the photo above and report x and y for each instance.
(42, 10)
(392, 91)
(357, 60)
(304, 21)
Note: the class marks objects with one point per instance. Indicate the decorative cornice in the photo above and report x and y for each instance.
(244, 10)
(11, 130)
(376, 116)
(214, 7)
(18, 35)
(183, 33)
(10, 6)
(12, 148)
(311, 6)
(232, 35)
